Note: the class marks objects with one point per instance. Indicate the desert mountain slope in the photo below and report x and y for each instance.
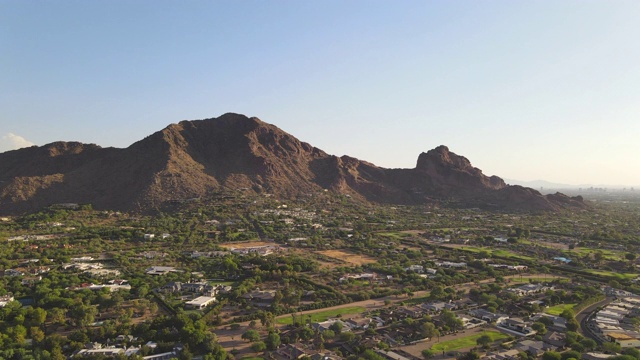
(193, 158)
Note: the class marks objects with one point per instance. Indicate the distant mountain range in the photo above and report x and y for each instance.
(537, 184)
(195, 158)
(548, 185)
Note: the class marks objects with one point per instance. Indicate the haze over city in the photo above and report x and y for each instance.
(525, 90)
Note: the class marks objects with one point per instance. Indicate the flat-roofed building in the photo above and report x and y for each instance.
(200, 302)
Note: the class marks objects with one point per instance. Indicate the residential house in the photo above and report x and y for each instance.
(5, 299)
(503, 355)
(535, 348)
(624, 340)
(362, 323)
(470, 323)
(260, 296)
(13, 272)
(415, 268)
(529, 289)
(30, 280)
(487, 316)
(596, 356)
(516, 327)
(391, 355)
(325, 325)
(449, 264)
(159, 270)
(162, 356)
(555, 338)
(200, 302)
(559, 323)
(291, 351)
(110, 351)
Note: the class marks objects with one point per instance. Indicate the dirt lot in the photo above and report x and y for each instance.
(244, 245)
(347, 257)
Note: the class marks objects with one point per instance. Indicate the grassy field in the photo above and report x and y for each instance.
(619, 276)
(606, 254)
(558, 309)
(527, 279)
(467, 341)
(498, 252)
(323, 315)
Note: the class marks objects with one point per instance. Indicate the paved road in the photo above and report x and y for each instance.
(583, 318)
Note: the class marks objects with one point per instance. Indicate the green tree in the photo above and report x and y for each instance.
(371, 355)
(571, 354)
(572, 325)
(428, 353)
(588, 344)
(347, 336)
(451, 320)
(429, 330)
(551, 355)
(306, 333)
(539, 327)
(259, 346)
(484, 340)
(37, 334)
(251, 335)
(611, 347)
(336, 327)
(272, 341)
(632, 352)
(471, 355)
(328, 334)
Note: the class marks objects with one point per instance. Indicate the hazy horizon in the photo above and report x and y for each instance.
(524, 90)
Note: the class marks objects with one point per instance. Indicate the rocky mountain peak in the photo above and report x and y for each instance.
(193, 158)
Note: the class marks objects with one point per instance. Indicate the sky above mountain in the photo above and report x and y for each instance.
(526, 90)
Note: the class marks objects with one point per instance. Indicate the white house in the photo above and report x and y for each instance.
(200, 302)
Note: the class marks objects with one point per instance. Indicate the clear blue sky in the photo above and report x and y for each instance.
(524, 89)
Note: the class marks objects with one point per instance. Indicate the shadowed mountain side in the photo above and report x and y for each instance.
(194, 158)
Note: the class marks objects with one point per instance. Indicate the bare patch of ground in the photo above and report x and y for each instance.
(245, 244)
(347, 257)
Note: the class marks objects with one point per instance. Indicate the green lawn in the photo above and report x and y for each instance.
(467, 341)
(498, 252)
(558, 309)
(357, 283)
(606, 254)
(322, 315)
(527, 279)
(619, 276)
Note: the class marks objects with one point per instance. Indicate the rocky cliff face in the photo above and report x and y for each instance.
(193, 158)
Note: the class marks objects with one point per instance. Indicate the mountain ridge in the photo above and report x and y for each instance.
(192, 158)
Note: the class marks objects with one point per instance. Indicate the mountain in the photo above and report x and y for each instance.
(193, 158)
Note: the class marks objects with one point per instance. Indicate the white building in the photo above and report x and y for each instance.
(200, 302)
